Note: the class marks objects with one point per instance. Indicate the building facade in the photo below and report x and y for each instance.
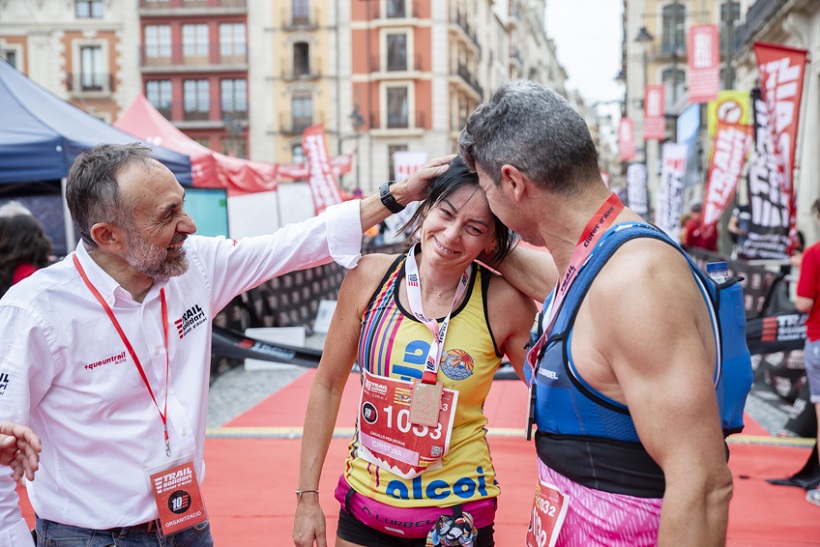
(793, 23)
(245, 78)
(86, 55)
(655, 52)
(193, 60)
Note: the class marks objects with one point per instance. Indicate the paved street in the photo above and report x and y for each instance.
(238, 390)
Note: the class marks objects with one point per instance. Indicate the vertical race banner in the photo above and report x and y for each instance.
(781, 85)
(704, 63)
(731, 106)
(654, 123)
(636, 188)
(405, 163)
(322, 183)
(732, 144)
(626, 139)
(769, 227)
(670, 192)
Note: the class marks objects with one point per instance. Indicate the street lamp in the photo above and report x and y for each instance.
(233, 126)
(644, 38)
(357, 121)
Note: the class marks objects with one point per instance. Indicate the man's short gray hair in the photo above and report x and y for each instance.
(92, 191)
(529, 126)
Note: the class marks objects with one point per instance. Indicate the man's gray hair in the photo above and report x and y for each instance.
(529, 126)
(92, 191)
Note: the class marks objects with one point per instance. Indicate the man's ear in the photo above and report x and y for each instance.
(514, 180)
(107, 236)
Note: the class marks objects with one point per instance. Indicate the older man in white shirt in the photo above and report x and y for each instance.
(106, 354)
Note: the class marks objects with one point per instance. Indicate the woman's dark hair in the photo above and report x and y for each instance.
(22, 241)
(446, 184)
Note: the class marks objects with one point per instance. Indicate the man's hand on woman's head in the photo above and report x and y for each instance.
(413, 187)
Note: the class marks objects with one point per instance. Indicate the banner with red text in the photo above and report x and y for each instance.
(670, 191)
(729, 151)
(769, 227)
(704, 63)
(636, 188)
(781, 71)
(405, 163)
(626, 139)
(321, 180)
(654, 123)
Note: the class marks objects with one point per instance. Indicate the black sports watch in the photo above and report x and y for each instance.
(387, 198)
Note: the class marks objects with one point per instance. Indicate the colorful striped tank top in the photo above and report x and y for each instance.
(393, 343)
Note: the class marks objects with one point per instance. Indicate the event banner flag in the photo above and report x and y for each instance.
(731, 146)
(322, 183)
(670, 192)
(626, 139)
(704, 63)
(781, 72)
(731, 106)
(769, 228)
(636, 188)
(405, 163)
(654, 124)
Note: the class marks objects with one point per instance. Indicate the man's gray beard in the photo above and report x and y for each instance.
(154, 261)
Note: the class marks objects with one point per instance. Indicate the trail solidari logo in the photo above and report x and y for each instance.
(191, 319)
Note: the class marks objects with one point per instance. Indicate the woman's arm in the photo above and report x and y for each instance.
(511, 314)
(326, 393)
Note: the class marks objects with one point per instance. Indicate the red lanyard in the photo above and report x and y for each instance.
(163, 414)
(594, 230)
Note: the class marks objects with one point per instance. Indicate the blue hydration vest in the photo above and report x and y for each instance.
(565, 404)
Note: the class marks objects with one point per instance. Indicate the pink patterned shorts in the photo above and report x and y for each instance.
(597, 518)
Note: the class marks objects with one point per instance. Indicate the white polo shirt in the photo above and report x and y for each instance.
(66, 373)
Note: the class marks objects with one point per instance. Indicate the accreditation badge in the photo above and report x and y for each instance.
(548, 512)
(388, 437)
(176, 492)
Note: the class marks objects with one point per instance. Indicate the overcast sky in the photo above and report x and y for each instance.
(587, 35)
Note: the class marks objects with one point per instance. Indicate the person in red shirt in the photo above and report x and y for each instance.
(695, 234)
(807, 301)
(24, 248)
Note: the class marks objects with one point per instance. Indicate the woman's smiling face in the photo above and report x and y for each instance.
(458, 228)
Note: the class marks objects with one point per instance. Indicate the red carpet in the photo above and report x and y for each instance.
(249, 482)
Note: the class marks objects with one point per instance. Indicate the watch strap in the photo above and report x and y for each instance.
(387, 198)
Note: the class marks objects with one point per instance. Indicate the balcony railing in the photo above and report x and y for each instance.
(294, 125)
(759, 13)
(398, 121)
(461, 21)
(173, 55)
(414, 12)
(196, 115)
(90, 82)
(235, 114)
(301, 73)
(411, 65)
(515, 54)
(191, 4)
(465, 74)
(294, 21)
